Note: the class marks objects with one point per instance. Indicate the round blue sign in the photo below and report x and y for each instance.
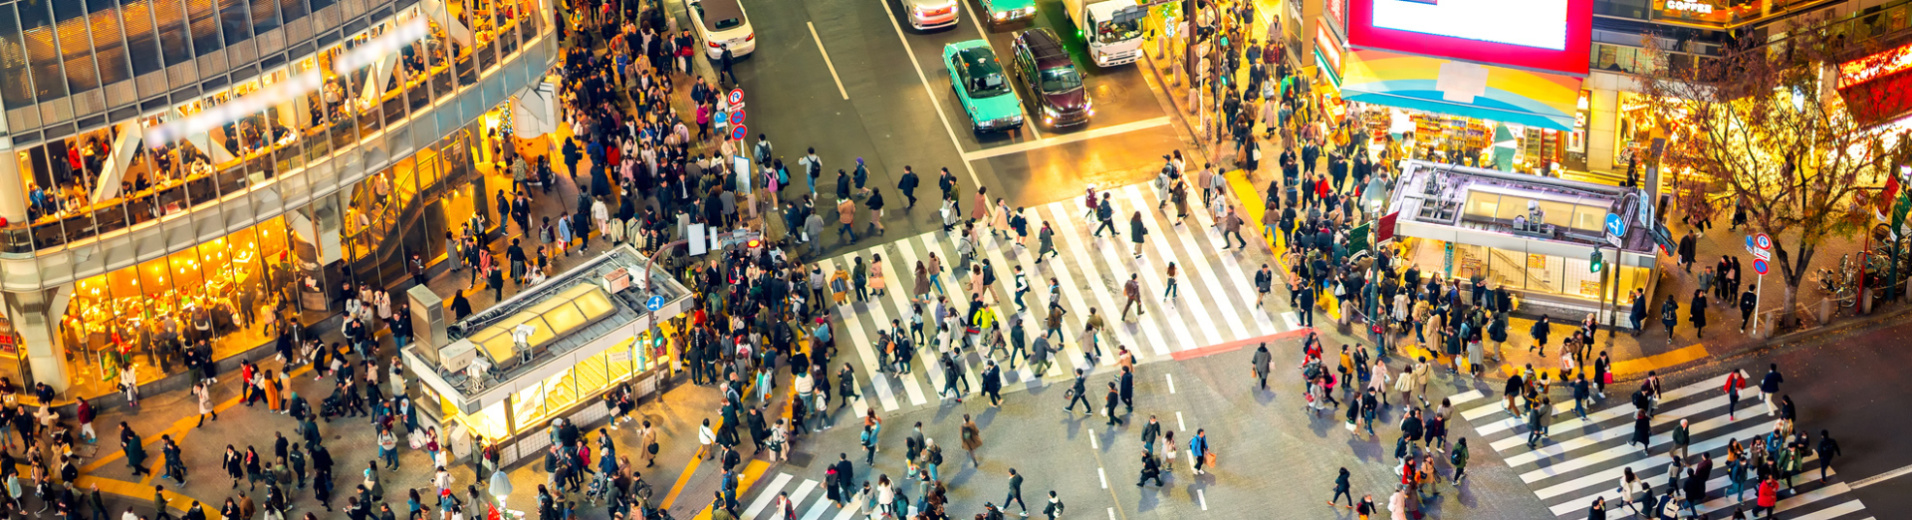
(721, 117)
(655, 303)
(1759, 266)
(738, 133)
(1616, 226)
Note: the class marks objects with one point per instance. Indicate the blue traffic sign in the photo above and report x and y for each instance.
(655, 303)
(721, 117)
(1759, 266)
(738, 133)
(1616, 226)
(738, 118)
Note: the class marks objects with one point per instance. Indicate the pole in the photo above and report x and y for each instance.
(1604, 288)
(1758, 295)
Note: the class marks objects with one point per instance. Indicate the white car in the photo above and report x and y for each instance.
(720, 24)
(930, 14)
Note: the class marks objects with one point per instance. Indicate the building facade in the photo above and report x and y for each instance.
(117, 251)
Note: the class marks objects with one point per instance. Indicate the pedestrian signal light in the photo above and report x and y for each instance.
(1597, 263)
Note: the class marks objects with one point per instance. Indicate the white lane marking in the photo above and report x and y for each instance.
(1111, 513)
(769, 493)
(1171, 382)
(1104, 475)
(1202, 498)
(1464, 397)
(1881, 477)
(1092, 442)
(827, 63)
(1179, 425)
(1293, 322)
(1093, 278)
(1065, 139)
(938, 103)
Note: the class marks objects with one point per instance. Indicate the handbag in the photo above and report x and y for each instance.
(1607, 379)
(1208, 458)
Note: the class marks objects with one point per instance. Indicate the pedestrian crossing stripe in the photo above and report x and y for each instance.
(762, 507)
(1584, 459)
(1215, 304)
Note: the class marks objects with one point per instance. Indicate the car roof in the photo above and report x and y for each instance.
(981, 59)
(721, 10)
(1046, 48)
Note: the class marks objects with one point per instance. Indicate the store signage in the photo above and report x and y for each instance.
(1875, 66)
(1338, 15)
(1329, 47)
(1689, 6)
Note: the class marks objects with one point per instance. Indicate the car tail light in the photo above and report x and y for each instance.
(750, 37)
(714, 45)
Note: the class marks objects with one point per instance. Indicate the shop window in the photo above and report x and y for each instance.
(1557, 213)
(169, 19)
(204, 19)
(1545, 274)
(233, 19)
(1589, 218)
(106, 40)
(1482, 204)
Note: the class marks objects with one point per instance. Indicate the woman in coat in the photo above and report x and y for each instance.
(1138, 233)
(877, 285)
(1642, 429)
(920, 292)
(1696, 313)
(271, 385)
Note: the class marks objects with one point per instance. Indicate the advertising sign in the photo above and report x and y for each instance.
(1549, 35)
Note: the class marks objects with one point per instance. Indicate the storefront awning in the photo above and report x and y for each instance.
(1460, 88)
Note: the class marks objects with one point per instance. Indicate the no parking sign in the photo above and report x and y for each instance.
(738, 133)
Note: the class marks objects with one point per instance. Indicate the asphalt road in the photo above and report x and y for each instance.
(896, 108)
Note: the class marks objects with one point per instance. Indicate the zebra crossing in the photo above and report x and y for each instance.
(1584, 459)
(1215, 303)
(766, 506)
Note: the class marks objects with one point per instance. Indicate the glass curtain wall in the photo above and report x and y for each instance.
(78, 187)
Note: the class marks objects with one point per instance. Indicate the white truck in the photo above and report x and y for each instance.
(1112, 28)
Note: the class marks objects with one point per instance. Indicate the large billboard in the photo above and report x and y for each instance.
(1547, 35)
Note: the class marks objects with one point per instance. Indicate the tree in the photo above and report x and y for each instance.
(1762, 127)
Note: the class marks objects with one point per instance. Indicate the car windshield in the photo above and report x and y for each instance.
(987, 85)
(1062, 79)
(728, 23)
(1115, 32)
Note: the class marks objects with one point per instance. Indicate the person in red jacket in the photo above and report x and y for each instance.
(1768, 497)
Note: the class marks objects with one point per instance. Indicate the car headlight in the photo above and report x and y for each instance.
(1050, 111)
(1029, 10)
(1001, 15)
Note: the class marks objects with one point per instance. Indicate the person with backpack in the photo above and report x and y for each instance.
(1105, 212)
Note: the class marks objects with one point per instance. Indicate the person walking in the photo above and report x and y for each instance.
(1054, 508)
(1138, 233)
(1735, 381)
(1199, 452)
(907, 184)
(1342, 488)
(1458, 458)
(1748, 302)
(1105, 212)
(1669, 315)
(1151, 470)
(1769, 386)
(1079, 393)
(1015, 492)
(1260, 365)
(972, 439)
(1132, 291)
(1696, 313)
(1113, 399)
(1827, 450)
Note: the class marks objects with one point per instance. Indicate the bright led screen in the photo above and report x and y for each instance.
(1527, 23)
(1549, 35)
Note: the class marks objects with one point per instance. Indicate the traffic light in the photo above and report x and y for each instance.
(1597, 263)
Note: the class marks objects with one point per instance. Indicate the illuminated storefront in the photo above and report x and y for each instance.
(120, 244)
(1459, 222)
(586, 331)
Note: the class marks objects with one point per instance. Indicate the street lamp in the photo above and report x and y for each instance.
(1374, 198)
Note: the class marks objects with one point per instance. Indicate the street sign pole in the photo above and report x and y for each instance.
(1758, 297)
